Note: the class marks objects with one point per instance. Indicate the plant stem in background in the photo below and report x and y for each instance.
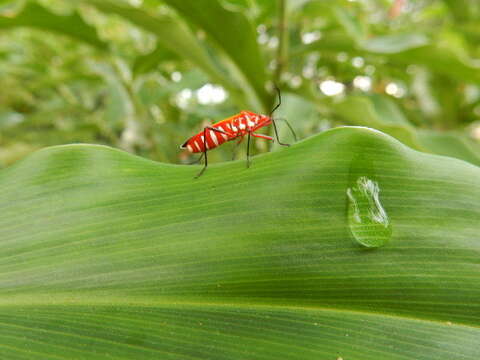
(282, 49)
(281, 60)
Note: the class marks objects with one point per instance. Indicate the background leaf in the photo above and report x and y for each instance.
(35, 16)
(172, 34)
(392, 44)
(234, 34)
(380, 113)
(451, 144)
(418, 60)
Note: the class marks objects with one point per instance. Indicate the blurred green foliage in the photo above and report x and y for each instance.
(145, 75)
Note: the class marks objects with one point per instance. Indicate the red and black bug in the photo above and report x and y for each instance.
(234, 127)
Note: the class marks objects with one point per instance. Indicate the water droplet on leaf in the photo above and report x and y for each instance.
(367, 219)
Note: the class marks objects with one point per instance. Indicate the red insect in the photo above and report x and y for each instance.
(237, 126)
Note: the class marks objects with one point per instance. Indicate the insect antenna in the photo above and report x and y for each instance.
(279, 101)
(273, 120)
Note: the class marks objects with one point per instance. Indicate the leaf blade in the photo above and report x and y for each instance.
(90, 233)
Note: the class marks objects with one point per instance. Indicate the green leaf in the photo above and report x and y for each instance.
(441, 59)
(452, 144)
(119, 106)
(391, 44)
(379, 112)
(106, 255)
(172, 34)
(297, 5)
(150, 61)
(350, 23)
(233, 33)
(402, 50)
(463, 10)
(35, 16)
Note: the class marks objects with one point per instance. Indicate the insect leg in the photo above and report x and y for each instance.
(276, 134)
(204, 153)
(266, 137)
(271, 115)
(289, 126)
(205, 146)
(248, 150)
(196, 161)
(236, 146)
(248, 143)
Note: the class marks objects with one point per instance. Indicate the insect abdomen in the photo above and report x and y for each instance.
(229, 129)
(196, 143)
